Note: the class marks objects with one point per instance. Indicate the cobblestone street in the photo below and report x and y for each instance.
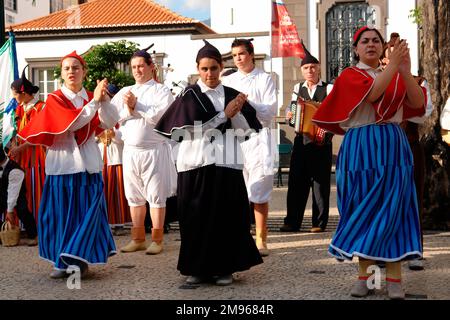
(298, 267)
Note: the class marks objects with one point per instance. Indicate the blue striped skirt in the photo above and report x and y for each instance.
(73, 221)
(376, 196)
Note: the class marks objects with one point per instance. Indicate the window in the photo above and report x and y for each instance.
(44, 78)
(9, 19)
(341, 23)
(11, 5)
(57, 5)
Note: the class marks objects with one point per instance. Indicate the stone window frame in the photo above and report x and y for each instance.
(323, 6)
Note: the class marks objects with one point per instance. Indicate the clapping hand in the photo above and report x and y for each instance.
(399, 57)
(100, 92)
(129, 100)
(235, 105)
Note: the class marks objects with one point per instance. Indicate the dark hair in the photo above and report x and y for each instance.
(144, 54)
(147, 57)
(355, 43)
(247, 44)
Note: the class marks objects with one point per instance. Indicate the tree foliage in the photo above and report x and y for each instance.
(108, 61)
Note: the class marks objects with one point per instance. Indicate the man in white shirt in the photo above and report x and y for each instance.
(259, 150)
(13, 196)
(148, 169)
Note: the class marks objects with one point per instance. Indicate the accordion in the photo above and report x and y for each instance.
(302, 114)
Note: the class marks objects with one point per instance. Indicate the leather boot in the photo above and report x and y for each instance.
(137, 240)
(157, 239)
(261, 241)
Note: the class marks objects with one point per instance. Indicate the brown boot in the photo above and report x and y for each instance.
(137, 240)
(157, 239)
(261, 241)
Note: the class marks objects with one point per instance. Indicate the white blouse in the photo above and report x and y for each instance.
(223, 151)
(153, 99)
(364, 114)
(65, 156)
(260, 91)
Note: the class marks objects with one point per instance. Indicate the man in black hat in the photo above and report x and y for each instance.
(13, 196)
(311, 157)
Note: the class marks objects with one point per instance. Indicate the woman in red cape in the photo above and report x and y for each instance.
(374, 170)
(73, 223)
(32, 159)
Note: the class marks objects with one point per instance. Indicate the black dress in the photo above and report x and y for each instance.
(213, 205)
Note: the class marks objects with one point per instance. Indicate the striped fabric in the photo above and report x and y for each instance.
(73, 222)
(118, 209)
(376, 196)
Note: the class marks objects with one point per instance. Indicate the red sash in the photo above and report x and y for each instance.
(350, 89)
(56, 118)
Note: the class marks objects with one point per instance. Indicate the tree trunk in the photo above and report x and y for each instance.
(435, 67)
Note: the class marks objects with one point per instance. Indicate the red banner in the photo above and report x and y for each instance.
(285, 39)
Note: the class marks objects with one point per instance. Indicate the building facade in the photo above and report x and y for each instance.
(326, 27)
(18, 11)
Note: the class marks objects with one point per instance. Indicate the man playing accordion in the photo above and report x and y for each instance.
(311, 154)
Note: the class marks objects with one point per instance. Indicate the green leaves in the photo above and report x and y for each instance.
(109, 60)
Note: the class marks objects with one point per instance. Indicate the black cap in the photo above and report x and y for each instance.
(209, 51)
(143, 53)
(308, 57)
(24, 85)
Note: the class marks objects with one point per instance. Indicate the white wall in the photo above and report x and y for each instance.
(26, 11)
(248, 15)
(398, 21)
(313, 31)
(180, 50)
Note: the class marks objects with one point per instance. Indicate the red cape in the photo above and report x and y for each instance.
(56, 118)
(350, 89)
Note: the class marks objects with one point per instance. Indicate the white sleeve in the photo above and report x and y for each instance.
(267, 110)
(239, 122)
(14, 184)
(294, 96)
(445, 116)
(108, 115)
(153, 113)
(117, 136)
(428, 107)
(329, 88)
(85, 116)
(121, 109)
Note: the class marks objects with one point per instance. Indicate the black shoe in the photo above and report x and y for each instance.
(289, 228)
